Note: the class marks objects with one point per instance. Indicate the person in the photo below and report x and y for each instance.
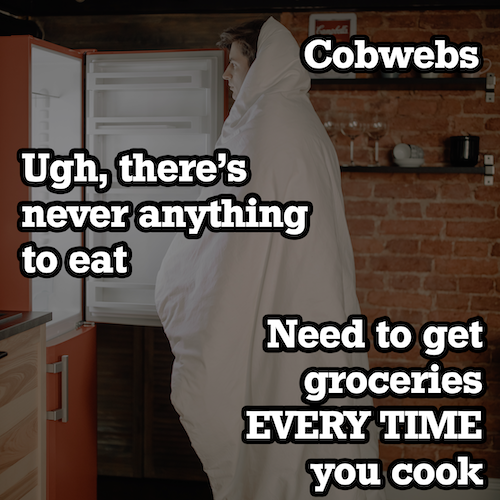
(212, 293)
(241, 42)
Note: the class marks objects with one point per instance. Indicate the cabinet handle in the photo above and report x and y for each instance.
(62, 368)
(3, 354)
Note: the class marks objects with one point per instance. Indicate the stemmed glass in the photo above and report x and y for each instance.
(330, 124)
(376, 128)
(352, 126)
(331, 127)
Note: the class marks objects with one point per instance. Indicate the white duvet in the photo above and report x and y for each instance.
(212, 293)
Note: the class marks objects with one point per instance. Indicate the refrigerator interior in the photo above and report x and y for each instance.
(169, 103)
(56, 123)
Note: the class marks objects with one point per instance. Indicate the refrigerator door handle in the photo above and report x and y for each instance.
(62, 368)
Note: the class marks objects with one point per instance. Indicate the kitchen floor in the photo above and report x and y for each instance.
(125, 488)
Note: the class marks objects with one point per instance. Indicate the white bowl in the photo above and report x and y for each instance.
(409, 162)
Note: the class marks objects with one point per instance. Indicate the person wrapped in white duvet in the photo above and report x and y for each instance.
(213, 292)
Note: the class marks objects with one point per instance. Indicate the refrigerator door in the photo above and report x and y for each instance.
(41, 107)
(56, 123)
(168, 103)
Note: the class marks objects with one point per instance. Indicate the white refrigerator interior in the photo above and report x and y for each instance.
(56, 123)
(168, 103)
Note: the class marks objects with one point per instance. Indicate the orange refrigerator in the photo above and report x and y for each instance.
(167, 102)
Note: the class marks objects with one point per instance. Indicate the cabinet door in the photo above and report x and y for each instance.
(72, 446)
(22, 415)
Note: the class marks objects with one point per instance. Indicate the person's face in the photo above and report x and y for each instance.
(237, 69)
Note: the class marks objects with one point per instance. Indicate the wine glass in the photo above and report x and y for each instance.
(376, 128)
(352, 126)
(332, 127)
(330, 124)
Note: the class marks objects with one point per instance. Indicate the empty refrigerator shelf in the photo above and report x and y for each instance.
(127, 125)
(143, 124)
(142, 193)
(127, 297)
(150, 80)
(118, 292)
(153, 62)
(131, 307)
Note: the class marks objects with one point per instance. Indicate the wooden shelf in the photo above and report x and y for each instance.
(399, 84)
(418, 170)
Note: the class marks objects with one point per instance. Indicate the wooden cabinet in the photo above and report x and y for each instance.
(39, 458)
(22, 415)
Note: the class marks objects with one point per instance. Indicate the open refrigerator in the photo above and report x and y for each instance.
(166, 102)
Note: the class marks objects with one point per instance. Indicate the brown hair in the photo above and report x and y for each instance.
(247, 35)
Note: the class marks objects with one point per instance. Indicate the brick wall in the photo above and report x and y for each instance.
(427, 246)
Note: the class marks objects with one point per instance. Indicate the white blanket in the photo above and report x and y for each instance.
(212, 293)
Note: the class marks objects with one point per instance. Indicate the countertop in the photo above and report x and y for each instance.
(22, 321)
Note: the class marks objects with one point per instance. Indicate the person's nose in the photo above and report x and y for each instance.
(227, 74)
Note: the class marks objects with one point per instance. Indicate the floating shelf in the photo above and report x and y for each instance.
(399, 84)
(487, 171)
(417, 170)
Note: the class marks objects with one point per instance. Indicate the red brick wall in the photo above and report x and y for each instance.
(427, 246)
